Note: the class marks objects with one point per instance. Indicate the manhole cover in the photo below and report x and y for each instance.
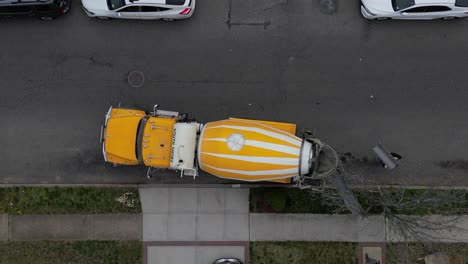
(136, 79)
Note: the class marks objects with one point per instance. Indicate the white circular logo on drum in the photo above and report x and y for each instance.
(235, 142)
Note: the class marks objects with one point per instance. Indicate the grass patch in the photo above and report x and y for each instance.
(291, 200)
(400, 253)
(73, 200)
(301, 252)
(86, 252)
(266, 200)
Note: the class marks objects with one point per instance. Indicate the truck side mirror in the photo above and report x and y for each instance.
(155, 107)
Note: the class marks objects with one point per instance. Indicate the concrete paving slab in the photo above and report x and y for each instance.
(192, 254)
(460, 231)
(49, 227)
(155, 227)
(290, 227)
(371, 229)
(437, 258)
(316, 228)
(3, 227)
(206, 255)
(376, 251)
(182, 227)
(237, 200)
(214, 214)
(223, 227)
(115, 227)
(210, 227)
(156, 200)
(372, 254)
(263, 227)
(343, 228)
(183, 200)
(171, 255)
(455, 229)
(211, 200)
(236, 227)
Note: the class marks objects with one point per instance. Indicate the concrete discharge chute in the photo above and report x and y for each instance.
(237, 149)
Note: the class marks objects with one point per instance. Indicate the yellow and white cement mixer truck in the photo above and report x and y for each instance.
(234, 148)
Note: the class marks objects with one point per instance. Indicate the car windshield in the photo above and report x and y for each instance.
(115, 4)
(402, 4)
(139, 138)
(461, 3)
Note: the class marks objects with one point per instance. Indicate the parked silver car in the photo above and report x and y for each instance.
(167, 10)
(414, 9)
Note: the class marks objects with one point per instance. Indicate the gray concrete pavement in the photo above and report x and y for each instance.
(307, 227)
(452, 229)
(194, 225)
(181, 232)
(195, 214)
(354, 82)
(192, 254)
(314, 227)
(70, 227)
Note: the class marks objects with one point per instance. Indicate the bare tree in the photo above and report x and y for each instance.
(399, 206)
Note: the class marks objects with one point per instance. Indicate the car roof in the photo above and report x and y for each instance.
(434, 2)
(25, 2)
(152, 2)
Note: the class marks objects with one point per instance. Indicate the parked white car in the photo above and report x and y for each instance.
(168, 10)
(414, 9)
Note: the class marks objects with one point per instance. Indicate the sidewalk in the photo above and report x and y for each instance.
(211, 226)
(70, 227)
(195, 214)
(312, 227)
(315, 227)
(210, 214)
(194, 225)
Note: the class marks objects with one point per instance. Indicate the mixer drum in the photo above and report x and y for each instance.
(252, 150)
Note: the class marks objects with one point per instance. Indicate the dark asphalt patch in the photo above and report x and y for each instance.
(454, 164)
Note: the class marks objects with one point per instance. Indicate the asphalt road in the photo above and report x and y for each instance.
(354, 82)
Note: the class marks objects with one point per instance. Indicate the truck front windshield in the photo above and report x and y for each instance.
(139, 138)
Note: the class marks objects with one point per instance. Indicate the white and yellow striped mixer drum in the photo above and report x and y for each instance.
(253, 150)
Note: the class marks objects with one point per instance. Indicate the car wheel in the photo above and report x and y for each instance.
(382, 18)
(449, 18)
(64, 7)
(168, 19)
(103, 17)
(46, 18)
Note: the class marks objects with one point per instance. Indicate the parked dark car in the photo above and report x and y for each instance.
(43, 9)
(227, 261)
